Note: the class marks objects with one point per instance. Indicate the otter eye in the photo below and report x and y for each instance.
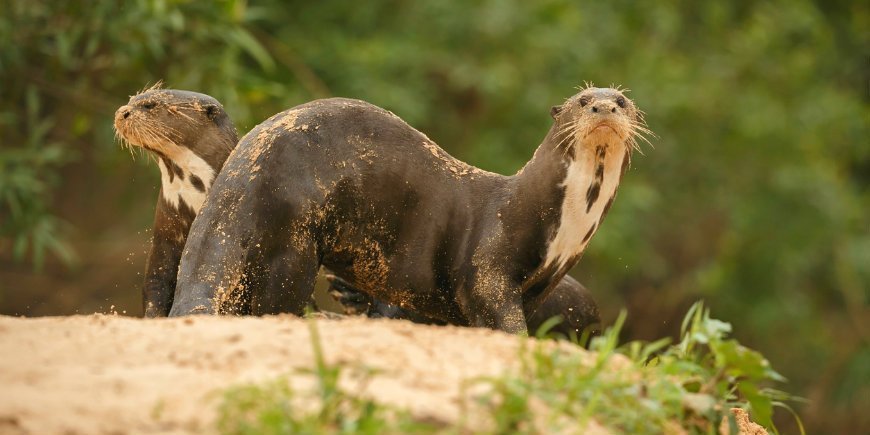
(211, 111)
(621, 102)
(584, 101)
(149, 105)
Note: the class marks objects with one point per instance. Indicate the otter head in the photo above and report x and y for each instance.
(163, 121)
(597, 116)
(190, 134)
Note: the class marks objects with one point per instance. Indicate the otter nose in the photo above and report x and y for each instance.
(603, 107)
(122, 113)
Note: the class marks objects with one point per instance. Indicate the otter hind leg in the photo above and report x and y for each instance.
(289, 282)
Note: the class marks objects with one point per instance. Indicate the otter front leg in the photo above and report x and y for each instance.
(289, 282)
(496, 307)
(352, 300)
(161, 270)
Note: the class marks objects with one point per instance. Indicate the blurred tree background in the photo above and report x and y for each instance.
(754, 197)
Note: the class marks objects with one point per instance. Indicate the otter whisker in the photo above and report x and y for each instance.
(640, 131)
(152, 137)
(171, 131)
(586, 85)
(166, 132)
(563, 133)
(566, 131)
(175, 111)
(130, 149)
(124, 143)
(157, 85)
(619, 88)
(564, 140)
(568, 127)
(160, 137)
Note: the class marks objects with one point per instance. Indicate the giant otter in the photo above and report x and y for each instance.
(191, 136)
(350, 186)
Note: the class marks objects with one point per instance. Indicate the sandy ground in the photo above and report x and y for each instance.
(113, 374)
(103, 374)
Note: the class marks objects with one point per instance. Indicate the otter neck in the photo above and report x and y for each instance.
(186, 176)
(586, 175)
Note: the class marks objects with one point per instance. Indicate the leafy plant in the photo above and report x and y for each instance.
(637, 387)
(28, 174)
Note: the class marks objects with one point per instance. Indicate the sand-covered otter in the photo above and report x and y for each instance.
(190, 135)
(350, 186)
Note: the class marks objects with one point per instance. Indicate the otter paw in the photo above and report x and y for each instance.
(352, 300)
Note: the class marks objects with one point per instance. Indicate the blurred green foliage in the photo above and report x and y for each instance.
(755, 195)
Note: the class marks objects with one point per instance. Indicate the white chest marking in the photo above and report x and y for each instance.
(576, 222)
(177, 188)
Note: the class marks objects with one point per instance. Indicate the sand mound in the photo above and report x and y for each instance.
(112, 374)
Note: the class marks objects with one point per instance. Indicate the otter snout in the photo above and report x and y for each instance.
(123, 113)
(603, 107)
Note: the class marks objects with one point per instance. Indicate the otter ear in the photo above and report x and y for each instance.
(555, 111)
(211, 111)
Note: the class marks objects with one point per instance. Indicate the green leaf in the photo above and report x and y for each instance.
(549, 324)
(760, 405)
